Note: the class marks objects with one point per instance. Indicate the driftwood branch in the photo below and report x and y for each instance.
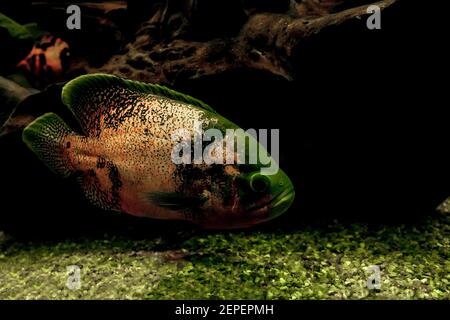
(169, 48)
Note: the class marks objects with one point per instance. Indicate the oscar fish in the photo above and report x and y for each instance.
(122, 158)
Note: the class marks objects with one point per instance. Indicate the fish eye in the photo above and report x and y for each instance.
(259, 183)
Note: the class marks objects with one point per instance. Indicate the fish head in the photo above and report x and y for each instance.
(238, 196)
(237, 191)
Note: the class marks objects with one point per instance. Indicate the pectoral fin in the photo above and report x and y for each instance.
(175, 201)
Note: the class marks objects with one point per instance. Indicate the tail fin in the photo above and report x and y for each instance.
(45, 137)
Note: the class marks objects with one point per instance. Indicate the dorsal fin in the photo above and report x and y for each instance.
(86, 95)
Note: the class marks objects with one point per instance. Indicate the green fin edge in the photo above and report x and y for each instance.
(100, 80)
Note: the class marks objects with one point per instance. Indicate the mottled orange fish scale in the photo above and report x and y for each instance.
(140, 147)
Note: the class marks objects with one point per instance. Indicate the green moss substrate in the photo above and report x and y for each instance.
(312, 263)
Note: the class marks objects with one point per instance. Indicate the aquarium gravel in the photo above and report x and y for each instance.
(329, 262)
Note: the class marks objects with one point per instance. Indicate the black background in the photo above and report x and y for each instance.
(282, 309)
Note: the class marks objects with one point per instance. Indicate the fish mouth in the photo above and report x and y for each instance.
(260, 213)
(281, 202)
(277, 205)
(282, 197)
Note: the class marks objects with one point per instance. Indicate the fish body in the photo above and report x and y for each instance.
(47, 61)
(123, 159)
